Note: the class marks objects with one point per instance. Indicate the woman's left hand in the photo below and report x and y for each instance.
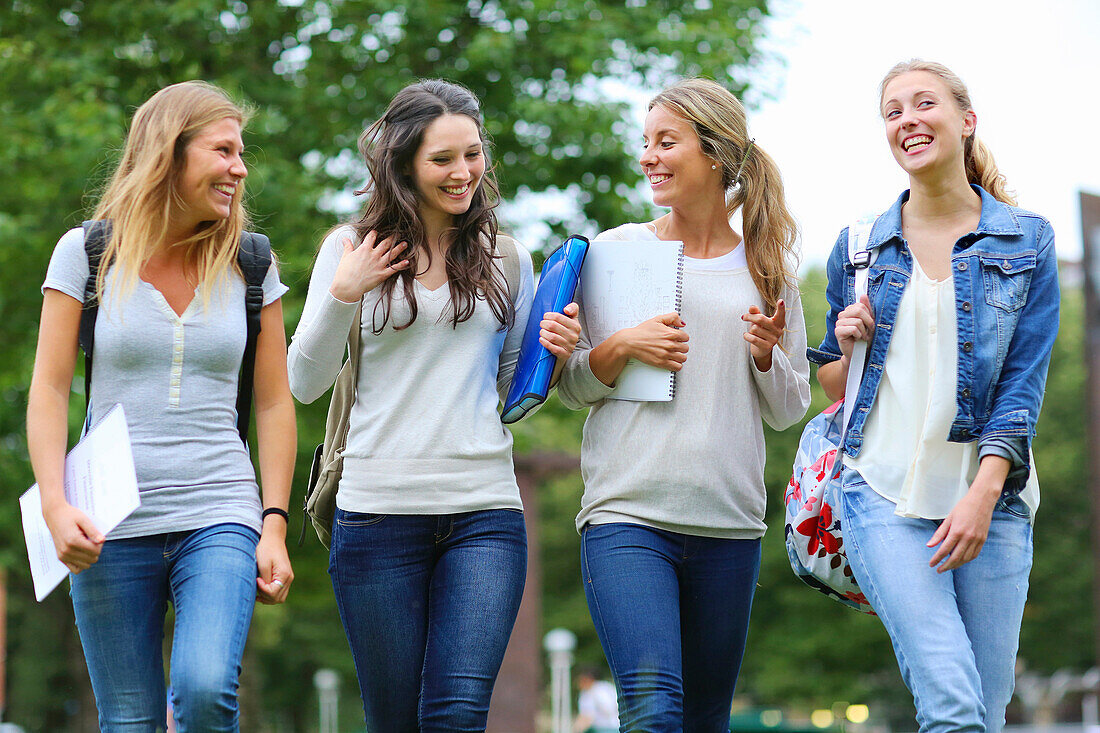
(273, 563)
(962, 533)
(559, 333)
(764, 333)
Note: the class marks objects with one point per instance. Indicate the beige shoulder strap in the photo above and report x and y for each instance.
(509, 264)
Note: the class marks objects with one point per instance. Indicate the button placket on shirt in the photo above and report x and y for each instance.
(177, 364)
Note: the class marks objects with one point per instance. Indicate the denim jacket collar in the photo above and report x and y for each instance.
(996, 219)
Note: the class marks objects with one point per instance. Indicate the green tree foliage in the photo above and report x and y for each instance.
(71, 74)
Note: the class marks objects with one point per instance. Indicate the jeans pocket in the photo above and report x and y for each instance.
(358, 519)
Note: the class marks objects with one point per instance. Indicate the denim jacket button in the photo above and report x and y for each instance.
(966, 306)
(966, 393)
(1006, 265)
(967, 346)
(962, 267)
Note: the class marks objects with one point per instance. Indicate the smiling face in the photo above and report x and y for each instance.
(447, 168)
(673, 160)
(925, 128)
(212, 172)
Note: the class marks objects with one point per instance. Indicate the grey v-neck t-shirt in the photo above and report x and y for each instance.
(176, 378)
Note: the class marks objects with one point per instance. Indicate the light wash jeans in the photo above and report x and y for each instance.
(956, 633)
(672, 614)
(209, 576)
(428, 603)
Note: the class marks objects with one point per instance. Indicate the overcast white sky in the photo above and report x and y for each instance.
(1033, 69)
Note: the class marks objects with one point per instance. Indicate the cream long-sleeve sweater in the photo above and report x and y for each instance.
(424, 433)
(694, 465)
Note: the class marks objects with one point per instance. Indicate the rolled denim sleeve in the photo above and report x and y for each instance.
(836, 294)
(1018, 396)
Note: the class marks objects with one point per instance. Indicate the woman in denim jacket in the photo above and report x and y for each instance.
(939, 494)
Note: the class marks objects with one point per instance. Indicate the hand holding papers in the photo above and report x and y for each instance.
(99, 480)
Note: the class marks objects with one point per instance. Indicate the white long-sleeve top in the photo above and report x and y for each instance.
(694, 465)
(906, 456)
(424, 434)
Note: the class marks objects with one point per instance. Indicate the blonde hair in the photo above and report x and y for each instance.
(981, 169)
(142, 193)
(749, 175)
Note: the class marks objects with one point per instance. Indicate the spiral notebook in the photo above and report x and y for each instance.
(623, 284)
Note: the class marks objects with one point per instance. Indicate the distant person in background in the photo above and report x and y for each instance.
(673, 505)
(429, 549)
(939, 493)
(597, 706)
(169, 341)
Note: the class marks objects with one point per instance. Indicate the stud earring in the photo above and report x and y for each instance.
(713, 167)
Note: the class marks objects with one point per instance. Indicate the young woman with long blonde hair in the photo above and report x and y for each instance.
(169, 340)
(673, 507)
(938, 492)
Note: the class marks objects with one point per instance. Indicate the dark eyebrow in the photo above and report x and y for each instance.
(446, 151)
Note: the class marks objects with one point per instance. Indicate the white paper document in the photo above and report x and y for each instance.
(623, 284)
(99, 481)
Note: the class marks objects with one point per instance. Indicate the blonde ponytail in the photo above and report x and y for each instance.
(768, 226)
(982, 170)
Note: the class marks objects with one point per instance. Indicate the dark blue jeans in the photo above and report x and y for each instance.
(672, 613)
(428, 603)
(209, 575)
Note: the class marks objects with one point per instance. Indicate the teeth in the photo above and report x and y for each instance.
(658, 178)
(225, 188)
(456, 190)
(917, 140)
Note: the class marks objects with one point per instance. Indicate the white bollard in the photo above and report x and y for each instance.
(559, 645)
(327, 682)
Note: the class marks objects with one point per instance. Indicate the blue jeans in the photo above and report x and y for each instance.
(672, 614)
(428, 603)
(209, 576)
(956, 633)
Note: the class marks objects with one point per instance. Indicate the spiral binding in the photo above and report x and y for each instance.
(678, 303)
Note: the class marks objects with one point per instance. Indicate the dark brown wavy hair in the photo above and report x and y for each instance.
(392, 208)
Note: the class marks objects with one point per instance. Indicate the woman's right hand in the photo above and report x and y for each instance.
(854, 323)
(659, 342)
(77, 540)
(365, 267)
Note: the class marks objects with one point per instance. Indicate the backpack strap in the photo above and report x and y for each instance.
(96, 234)
(254, 259)
(861, 256)
(509, 256)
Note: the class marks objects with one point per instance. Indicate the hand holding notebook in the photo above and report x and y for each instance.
(624, 284)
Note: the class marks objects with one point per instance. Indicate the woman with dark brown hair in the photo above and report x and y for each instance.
(429, 550)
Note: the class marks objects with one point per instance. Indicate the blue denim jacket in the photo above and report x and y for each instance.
(1006, 302)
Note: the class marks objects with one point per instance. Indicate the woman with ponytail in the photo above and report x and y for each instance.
(673, 508)
(938, 492)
